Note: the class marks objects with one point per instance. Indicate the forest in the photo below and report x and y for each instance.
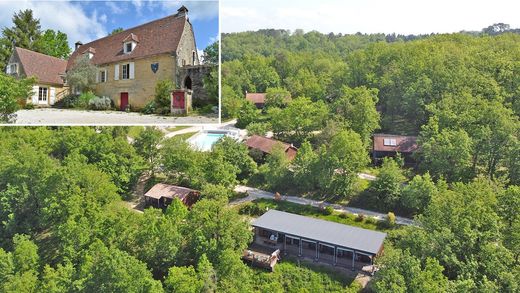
(459, 93)
(65, 224)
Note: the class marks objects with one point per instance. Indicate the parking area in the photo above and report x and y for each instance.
(51, 116)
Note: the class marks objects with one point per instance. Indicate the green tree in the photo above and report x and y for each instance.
(388, 184)
(236, 154)
(298, 120)
(357, 106)
(258, 128)
(20, 267)
(12, 93)
(82, 75)
(447, 154)
(275, 170)
(210, 53)
(304, 166)
(342, 159)
(147, 145)
(206, 274)
(416, 196)
(163, 91)
(247, 114)
(234, 275)
(25, 33)
(183, 280)
(116, 30)
(54, 44)
(277, 97)
(111, 270)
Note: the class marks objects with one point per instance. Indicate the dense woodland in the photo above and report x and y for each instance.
(459, 93)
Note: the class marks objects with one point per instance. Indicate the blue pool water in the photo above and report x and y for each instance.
(204, 141)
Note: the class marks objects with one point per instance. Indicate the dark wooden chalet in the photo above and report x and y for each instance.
(161, 195)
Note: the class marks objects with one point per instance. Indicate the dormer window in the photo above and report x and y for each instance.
(12, 68)
(90, 52)
(129, 43)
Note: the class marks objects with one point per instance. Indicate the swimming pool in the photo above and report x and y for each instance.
(204, 141)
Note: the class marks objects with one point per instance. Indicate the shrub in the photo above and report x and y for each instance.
(149, 108)
(328, 210)
(163, 90)
(343, 215)
(360, 217)
(69, 101)
(251, 209)
(258, 128)
(371, 220)
(390, 219)
(28, 106)
(100, 103)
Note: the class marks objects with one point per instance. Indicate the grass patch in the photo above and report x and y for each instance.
(177, 128)
(260, 206)
(291, 276)
(134, 131)
(187, 135)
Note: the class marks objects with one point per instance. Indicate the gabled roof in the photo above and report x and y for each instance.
(403, 144)
(45, 68)
(131, 37)
(168, 191)
(358, 239)
(266, 145)
(157, 37)
(256, 98)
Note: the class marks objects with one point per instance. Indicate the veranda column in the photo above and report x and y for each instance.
(317, 251)
(285, 244)
(335, 255)
(300, 246)
(353, 256)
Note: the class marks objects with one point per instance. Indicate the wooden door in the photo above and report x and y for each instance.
(123, 102)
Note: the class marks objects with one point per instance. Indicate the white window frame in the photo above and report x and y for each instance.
(389, 142)
(11, 70)
(103, 76)
(132, 47)
(43, 99)
(125, 71)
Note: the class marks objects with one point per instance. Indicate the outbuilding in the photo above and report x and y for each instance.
(161, 195)
(323, 241)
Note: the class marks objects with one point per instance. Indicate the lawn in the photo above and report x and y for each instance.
(187, 135)
(134, 131)
(177, 128)
(293, 276)
(260, 206)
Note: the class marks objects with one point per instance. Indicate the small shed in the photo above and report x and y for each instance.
(161, 195)
(266, 145)
(388, 145)
(256, 98)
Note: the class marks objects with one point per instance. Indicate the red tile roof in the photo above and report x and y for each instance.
(131, 37)
(403, 144)
(266, 145)
(45, 68)
(256, 98)
(160, 190)
(157, 37)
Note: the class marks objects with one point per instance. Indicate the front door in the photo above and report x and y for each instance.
(124, 101)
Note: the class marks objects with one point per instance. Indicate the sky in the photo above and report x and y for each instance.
(368, 16)
(90, 20)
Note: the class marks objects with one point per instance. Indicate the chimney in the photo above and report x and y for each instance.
(78, 44)
(183, 11)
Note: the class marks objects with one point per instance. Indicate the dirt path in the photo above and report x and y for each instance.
(137, 203)
(255, 193)
(52, 116)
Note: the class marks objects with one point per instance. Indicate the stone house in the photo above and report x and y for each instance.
(130, 63)
(47, 70)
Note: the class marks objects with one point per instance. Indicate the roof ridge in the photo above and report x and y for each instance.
(273, 139)
(59, 59)
(141, 25)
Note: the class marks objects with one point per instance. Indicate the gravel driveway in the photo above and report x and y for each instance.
(51, 116)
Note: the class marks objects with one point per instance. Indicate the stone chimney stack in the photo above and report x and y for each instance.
(77, 45)
(183, 11)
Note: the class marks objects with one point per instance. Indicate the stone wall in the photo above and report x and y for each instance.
(197, 74)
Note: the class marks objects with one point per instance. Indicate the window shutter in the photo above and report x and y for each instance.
(52, 96)
(97, 76)
(106, 75)
(34, 97)
(132, 72)
(116, 72)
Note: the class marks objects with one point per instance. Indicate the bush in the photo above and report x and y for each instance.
(149, 108)
(69, 101)
(360, 217)
(371, 220)
(28, 106)
(100, 103)
(163, 90)
(251, 209)
(328, 210)
(343, 215)
(258, 128)
(390, 219)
